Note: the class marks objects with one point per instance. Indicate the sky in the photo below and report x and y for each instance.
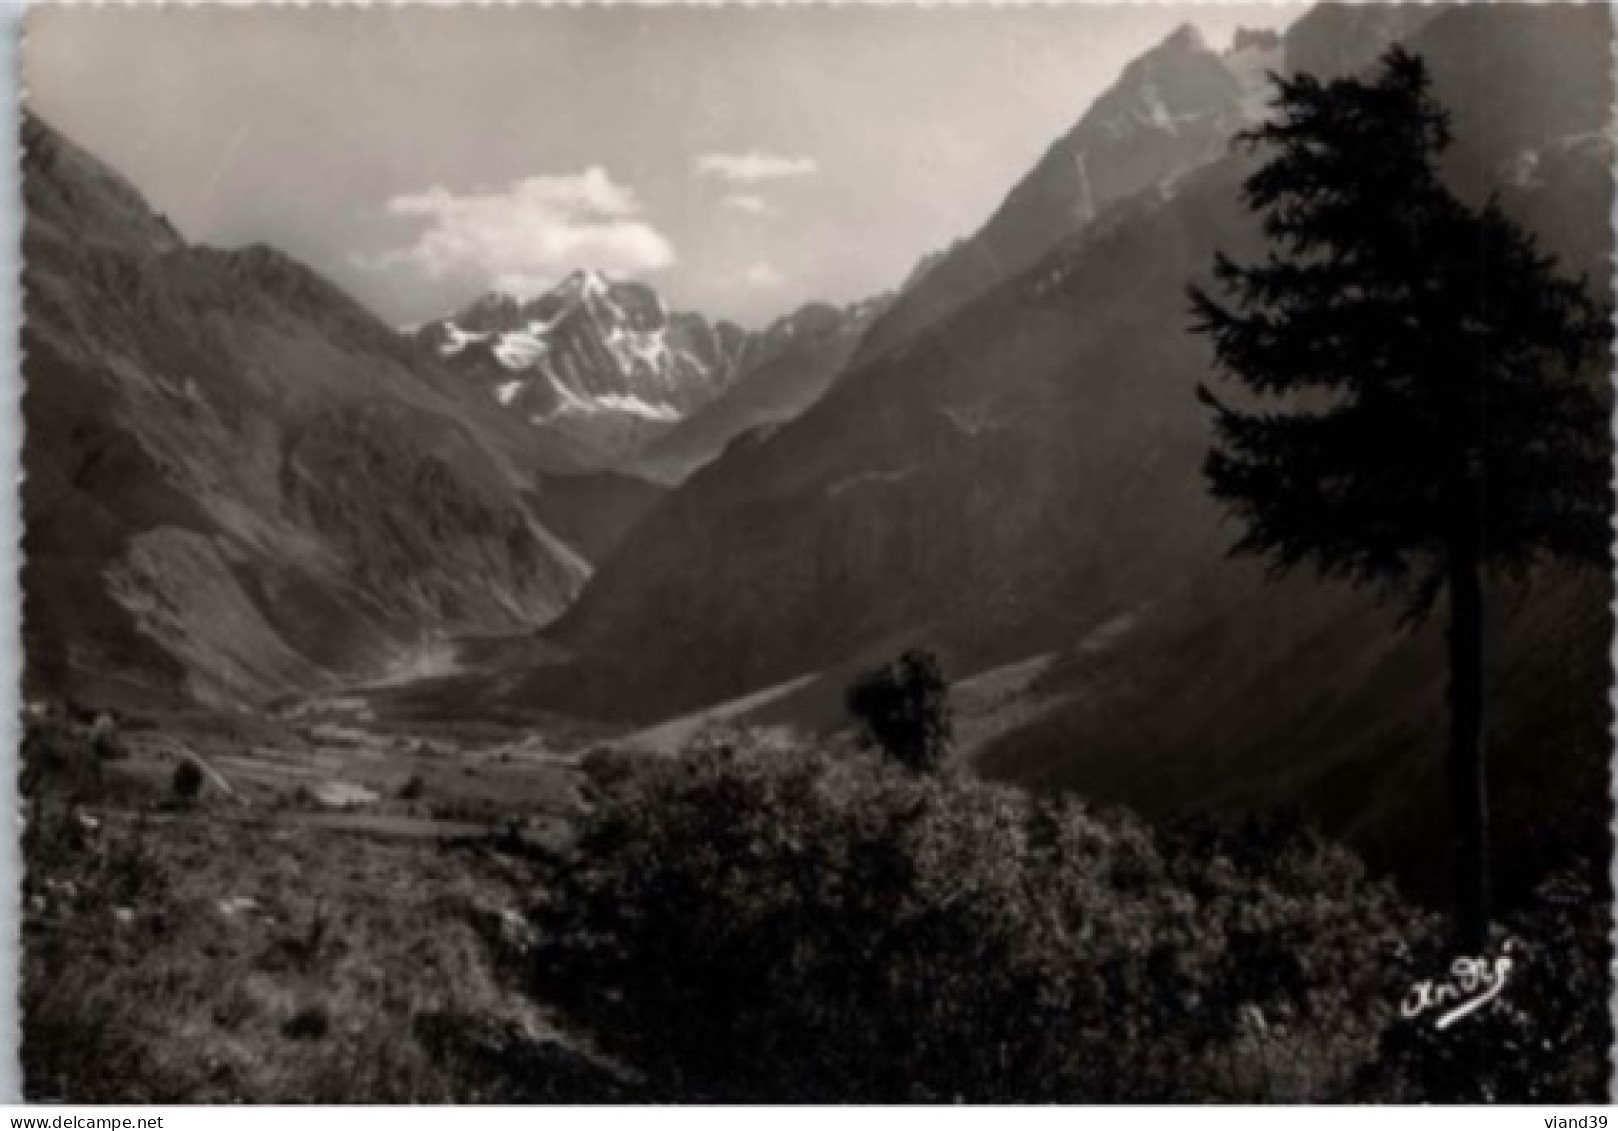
(742, 160)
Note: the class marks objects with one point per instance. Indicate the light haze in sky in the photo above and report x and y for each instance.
(743, 161)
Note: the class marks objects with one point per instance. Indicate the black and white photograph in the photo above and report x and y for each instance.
(814, 554)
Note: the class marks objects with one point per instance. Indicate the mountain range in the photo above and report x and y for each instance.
(603, 365)
(1009, 470)
(1172, 110)
(241, 484)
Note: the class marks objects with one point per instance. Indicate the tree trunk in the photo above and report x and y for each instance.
(1468, 785)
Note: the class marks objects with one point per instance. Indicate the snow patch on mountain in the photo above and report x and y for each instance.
(570, 404)
(647, 348)
(636, 407)
(520, 348)
(591, 347)
(457, 339)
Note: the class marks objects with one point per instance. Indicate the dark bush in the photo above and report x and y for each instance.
(784, 926)
(904, 708)
(187, 780)
(106, 740)
(59, 760)
(310, 1023)
(604, 769)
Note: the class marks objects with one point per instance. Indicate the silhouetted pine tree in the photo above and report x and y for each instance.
(1414, 410)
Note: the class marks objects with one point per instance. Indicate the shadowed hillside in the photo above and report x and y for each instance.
(240, 483)
(1028, 469)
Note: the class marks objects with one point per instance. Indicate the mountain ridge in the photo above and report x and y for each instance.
(1170, 110)
(1026, 470)
(608, 365)
(242, 484)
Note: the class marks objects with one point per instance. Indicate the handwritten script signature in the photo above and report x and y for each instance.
(1472, 984)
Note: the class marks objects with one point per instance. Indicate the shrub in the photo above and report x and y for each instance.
(106, 869)
(105, 739)
(904, 708)
(309, 1023)
(412, 789)
(781, 926)
(605, 769)
(187, 780)
(59, 761)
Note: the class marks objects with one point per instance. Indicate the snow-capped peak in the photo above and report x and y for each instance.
(591, 346)
(584, 284)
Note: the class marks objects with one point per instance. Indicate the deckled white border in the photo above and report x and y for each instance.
(1612, 660)
(10, 550)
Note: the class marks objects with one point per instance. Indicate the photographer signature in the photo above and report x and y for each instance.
(1472, 984)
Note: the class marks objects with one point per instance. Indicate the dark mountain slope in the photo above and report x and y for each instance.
(239, 483)
(786, 368)
(1171, 110)
(1043, 443)
(1336, 39)
(972, 475)
(595, 513)
(1027, 471)
(1311, 695)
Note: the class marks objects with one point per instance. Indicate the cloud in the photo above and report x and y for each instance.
(762, 275)
(753, 166)
(524, 237)
(747, 202)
